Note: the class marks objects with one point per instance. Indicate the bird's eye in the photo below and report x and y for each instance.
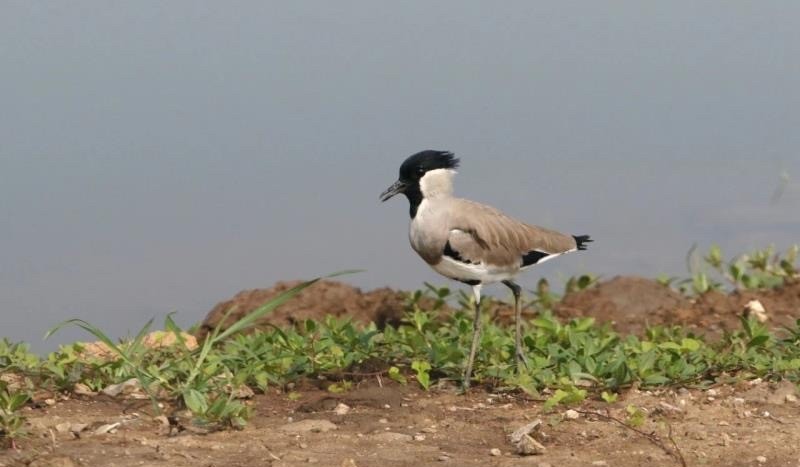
(420, 170)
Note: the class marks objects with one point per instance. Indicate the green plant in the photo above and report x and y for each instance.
(11, 421)
(760, 269)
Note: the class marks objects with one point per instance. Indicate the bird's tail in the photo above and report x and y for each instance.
(582, 240)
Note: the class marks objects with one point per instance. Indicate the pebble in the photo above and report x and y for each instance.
(444, 458)
(107, 428)
(791, 398)
(761, 460)
(571, 414)
(712, 392)
(544, 464)
(50, 402)
(419, 437)
(341, 409)
(600, 463)
(496, 452)
(383, 420)
(723, 423)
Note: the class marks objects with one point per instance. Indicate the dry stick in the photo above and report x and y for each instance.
(652, 437)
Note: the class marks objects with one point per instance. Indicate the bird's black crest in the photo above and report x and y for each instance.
(582, 240)
(417, 165)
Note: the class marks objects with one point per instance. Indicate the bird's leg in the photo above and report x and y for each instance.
(519, 354)
(476, 335)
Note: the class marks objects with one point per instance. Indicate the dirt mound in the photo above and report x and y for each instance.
(633, 303)
(719, 311)
(382, 306)
(629, 303)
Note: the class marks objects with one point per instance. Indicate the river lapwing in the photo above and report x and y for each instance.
(471, 242)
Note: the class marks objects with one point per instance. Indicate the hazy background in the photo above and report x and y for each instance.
(159, 156)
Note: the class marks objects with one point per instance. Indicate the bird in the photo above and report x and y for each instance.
(470, 242)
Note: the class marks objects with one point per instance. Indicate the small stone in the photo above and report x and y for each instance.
(50, 401)
(544, 464)
(738, 401)
(83, 390)
(712, 392)
(761, 460)
(430, 429)
(495, 452)
(387, 406)
(444, 458)
(128, 387)
(341, 409)
(419, 437)
(77, 428)
(312, 460)
(303, 445)
(600, 463)
(571, 414)
(755, 309)
(523, 442)
(107, 428)
(383, 420)
(723, 423)
(726, 440)
(349, 463)
(669, 407)
(791, 398)
(63, 427)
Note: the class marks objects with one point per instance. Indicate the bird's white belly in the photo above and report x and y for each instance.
(470, 272)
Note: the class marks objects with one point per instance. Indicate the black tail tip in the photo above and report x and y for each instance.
(582, 240)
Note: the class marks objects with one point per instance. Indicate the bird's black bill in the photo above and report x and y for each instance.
(397, 187)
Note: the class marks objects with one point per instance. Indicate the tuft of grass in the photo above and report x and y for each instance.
(760, 269)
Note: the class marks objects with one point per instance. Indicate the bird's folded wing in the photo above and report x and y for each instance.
(480, 233)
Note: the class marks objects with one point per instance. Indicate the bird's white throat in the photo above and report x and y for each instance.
(437, 183)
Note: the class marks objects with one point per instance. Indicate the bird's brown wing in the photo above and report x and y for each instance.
(482, 234)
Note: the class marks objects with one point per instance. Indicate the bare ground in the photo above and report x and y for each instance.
(748, 425)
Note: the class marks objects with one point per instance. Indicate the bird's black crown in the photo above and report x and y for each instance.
(424, 161)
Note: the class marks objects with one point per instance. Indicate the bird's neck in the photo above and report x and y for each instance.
(434, 184)
(437, 183)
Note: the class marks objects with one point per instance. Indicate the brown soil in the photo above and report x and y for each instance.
(390, 425)
(631, 304)
(324, 298)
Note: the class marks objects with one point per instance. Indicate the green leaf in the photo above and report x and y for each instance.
(422, 368)
(195, 401)
(394, 374)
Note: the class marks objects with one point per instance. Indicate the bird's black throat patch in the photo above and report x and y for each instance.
(414, 195)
